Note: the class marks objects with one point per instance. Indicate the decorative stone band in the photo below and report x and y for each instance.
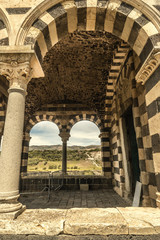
(16, 68)
(148, 68)
(20, 90)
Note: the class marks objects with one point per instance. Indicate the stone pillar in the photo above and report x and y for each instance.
(149, 78)
(65, 137)
(105, 153)
(18, 72)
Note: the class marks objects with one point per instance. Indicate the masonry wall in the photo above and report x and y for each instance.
(128, 94)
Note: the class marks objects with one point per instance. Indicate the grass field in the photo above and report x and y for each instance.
(83, 161)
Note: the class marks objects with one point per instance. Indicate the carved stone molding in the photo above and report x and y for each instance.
(148, 68)
(16, 68)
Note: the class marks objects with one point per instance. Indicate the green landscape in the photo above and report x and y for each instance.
(80, 160)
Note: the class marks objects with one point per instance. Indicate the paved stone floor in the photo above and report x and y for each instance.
(64, 199)
(76, 215)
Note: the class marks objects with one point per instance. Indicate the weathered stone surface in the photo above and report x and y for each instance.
(142, 221)
(84, 224)
(95, 221)
(83, 60)
(41, 222)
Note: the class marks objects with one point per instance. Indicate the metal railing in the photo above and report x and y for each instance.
(49, 187)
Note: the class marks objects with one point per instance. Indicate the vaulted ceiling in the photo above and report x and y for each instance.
(76, 71)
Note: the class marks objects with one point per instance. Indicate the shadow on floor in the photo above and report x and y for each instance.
(64, 199)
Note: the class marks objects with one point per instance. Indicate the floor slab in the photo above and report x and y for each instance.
(58, 217)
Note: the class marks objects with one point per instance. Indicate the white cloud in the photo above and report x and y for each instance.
(45, 133)
(83, 133)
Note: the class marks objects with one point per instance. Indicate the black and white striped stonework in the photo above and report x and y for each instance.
(4, 41)
(152, 129)
(116, 17)
(73, 119)
(118, 108)
(143, 139)
(26, 139)
(42, 117)
(3, 105)
(24, 155)
(92, 118)
(117, 64)
(118, 61)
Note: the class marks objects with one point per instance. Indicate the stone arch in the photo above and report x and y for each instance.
(26, 137)
(90, 117)
(43, 117)
(116, 17)
(5, 28)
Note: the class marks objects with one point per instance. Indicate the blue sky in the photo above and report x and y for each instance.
(83, 133)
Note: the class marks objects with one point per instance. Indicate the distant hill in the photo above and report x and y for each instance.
(59, 147)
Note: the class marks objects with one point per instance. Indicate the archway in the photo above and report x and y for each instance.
(45, 148)
(84, 152)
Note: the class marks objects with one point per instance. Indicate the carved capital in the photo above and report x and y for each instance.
(148, 68)
(16, 68)
(64, 136)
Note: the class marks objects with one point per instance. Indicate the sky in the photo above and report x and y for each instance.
(83, 133)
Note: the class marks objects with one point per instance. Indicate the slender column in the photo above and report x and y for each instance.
(64, 159)
(18, 75)
(65, 137)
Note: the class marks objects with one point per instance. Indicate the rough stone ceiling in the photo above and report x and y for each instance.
(76, 71)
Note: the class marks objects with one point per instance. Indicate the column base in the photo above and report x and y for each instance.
(9, 204)
(12, 215)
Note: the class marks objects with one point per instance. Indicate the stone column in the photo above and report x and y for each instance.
(65, 137)
(105, 154)
(149, 78)
(17, 71)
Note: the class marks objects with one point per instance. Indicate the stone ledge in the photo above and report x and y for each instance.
(95, 221)
(87, 237)
(83, 222)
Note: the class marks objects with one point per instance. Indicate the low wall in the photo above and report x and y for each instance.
(36, 182)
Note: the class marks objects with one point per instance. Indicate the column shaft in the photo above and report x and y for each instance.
(12, 144)
(64, 159)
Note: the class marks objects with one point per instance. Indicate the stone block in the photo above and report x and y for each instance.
(84, 187)
(142, 221)
(95, 221)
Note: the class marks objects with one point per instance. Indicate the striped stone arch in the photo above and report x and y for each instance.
(42, 117)
(119, 58)
(90, 117)
(114, 16)
(26, 138)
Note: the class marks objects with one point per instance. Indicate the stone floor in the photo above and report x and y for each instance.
(92, 215)
(64, 199)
